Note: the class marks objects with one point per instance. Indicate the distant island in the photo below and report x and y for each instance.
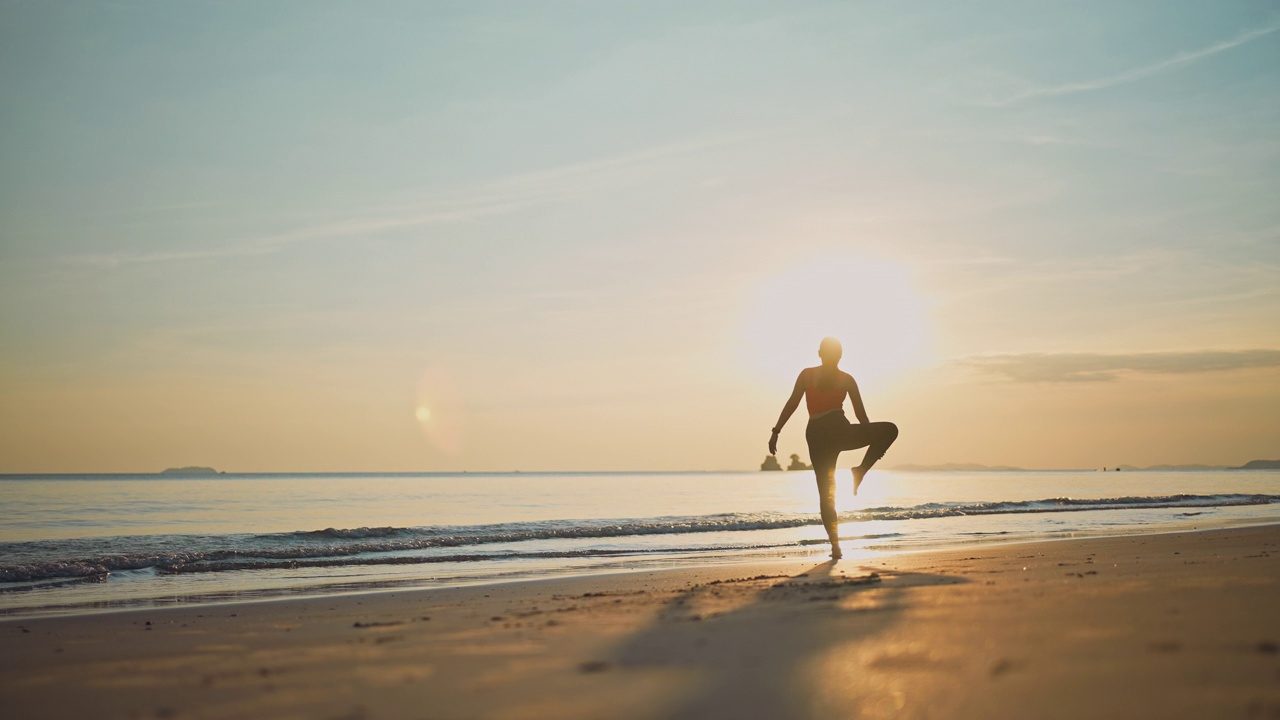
(190, 470)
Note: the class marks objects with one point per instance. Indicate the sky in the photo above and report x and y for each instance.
(318, 236)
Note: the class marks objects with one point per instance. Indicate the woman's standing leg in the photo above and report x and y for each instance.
(824, 470)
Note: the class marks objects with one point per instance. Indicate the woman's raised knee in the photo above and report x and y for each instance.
(889, 430)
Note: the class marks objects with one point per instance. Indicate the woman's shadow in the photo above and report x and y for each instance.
(758, 647)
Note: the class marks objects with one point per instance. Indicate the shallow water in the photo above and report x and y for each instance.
(85, 543)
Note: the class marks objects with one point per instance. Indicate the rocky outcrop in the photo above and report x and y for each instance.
(797, 464)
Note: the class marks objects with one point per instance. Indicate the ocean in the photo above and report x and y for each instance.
(90, 543)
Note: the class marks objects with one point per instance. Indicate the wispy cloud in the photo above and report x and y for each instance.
(359, 227)
(111, 260)
(1139, 73)
(504, 195)
(1103, 367)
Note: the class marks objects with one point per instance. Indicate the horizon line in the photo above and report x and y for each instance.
(906, 467)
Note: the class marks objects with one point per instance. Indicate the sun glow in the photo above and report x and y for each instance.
(870, 305)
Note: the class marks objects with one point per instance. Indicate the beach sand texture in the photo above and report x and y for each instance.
(1153, 626)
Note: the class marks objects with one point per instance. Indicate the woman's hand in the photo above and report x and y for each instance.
(773, 443)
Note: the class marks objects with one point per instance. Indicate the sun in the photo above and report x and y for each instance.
(870, 305)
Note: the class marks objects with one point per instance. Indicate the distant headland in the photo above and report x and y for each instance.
(976, 467)
(954, 467)
(1260, 465)
(190, 470)
(1251, 465)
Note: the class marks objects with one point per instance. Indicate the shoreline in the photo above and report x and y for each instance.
(217, 599)
(1178, 624)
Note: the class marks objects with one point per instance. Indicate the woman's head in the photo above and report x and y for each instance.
(830, 351)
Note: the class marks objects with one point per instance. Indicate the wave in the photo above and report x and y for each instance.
(97, 558)
(1063, 504)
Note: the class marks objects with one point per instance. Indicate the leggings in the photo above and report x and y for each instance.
(828, 436)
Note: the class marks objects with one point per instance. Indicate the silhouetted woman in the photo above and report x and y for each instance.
(829, 432)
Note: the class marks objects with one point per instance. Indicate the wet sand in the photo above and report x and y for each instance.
(1172, 626)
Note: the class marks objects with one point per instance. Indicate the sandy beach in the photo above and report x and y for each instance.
(1175, 625)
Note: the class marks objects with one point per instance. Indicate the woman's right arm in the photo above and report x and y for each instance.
(792, 403)
(855, 397)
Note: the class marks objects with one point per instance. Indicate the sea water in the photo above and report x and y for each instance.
(87, 543)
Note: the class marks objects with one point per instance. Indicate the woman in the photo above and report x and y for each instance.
(829, 432)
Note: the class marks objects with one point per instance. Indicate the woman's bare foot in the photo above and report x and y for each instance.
(858, 474)
(835, 551)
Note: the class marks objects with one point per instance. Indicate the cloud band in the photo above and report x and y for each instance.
(1103, 367)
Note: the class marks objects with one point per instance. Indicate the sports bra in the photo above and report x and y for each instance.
(820, 401)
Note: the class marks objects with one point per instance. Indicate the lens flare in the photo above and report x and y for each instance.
(438, 412)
